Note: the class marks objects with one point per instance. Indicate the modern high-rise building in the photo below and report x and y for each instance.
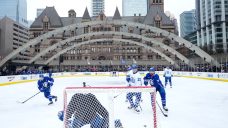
(12, 36)
(187, 22)
(98, 6)
(212, 17)
(134, 7)
(14, 9)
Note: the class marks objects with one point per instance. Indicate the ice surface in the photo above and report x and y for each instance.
(192, 103)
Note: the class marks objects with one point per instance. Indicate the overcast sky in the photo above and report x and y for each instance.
(176, 7)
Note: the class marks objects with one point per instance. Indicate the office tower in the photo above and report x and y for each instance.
(134, 7)
(212, 16)
(97, 7)
(14, 9)
(187, 22)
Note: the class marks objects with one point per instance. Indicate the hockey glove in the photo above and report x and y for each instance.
(41, 89)
(128, 79)
(145, 82)
(50, 83)
(61, 115)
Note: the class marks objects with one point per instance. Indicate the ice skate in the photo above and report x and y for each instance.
(55, 97)
(165, 108)
(129, 107)
(137, 110)
(51, 102)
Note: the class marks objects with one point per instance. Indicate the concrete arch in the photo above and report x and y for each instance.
(108, 39)
(180, 56)
(171, 36)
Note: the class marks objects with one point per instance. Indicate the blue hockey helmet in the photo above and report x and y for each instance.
(152, 69)
(41, 76)
(134, 66)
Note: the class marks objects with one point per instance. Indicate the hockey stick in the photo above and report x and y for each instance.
(29, 98)
(163, 113)
(117, 95)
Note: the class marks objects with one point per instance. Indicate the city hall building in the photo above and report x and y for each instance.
(106, 55)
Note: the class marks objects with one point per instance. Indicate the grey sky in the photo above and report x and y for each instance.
(176, 7)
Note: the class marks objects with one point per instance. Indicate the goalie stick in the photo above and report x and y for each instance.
(164, 113)
(28, 98)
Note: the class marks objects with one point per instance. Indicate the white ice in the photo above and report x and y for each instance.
(192, 103)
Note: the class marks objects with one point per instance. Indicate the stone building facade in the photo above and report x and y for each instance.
(104, 55)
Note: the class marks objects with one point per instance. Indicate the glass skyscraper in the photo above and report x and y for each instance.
(14, 9)
(97, 7)
(187, 22)
(212, 26)
(132, 7)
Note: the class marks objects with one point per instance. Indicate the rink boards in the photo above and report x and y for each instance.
(8, 80)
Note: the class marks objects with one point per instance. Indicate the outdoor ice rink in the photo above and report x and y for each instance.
(192, 103)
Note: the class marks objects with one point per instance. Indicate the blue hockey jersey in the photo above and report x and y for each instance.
(45, 84)
(153, 80)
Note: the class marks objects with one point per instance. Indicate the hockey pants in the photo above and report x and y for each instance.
(48, 96)
(168, 79)
(162, 93)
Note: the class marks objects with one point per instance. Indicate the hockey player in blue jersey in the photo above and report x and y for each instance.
(153, 79)
(44, 85)
(134, 80)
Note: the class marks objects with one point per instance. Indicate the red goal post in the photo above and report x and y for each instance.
(116, 95)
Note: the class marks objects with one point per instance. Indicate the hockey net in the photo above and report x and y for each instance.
(114, 101)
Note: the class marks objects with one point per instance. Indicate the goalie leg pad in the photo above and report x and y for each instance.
(130, 99)
(138, 99)
(118, 124)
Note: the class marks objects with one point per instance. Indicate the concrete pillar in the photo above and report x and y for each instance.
(224, 27)
(213, 38)
(207, 38)
(198, 39)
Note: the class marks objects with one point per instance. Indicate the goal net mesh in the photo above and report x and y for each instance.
(108, 107)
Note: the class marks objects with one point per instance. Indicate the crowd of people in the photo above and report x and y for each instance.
(198, 68)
